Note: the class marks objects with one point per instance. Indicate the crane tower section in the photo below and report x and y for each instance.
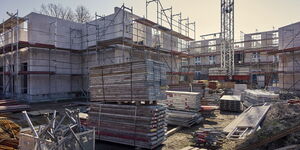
(227, 36)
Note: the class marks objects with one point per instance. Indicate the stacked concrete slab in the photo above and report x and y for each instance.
(125, 100)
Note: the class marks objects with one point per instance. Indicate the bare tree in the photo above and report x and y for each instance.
(56, 10)
(67, 14)
(82, 14)
(51, 9)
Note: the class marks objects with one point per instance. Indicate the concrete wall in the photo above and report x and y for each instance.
(289, 36)
(49, 30)
(290, 68)
(66, 81)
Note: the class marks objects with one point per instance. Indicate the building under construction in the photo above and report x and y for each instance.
(47, 58)
(261, 59)
(135, 82)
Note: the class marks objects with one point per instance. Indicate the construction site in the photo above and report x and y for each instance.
(125, 81)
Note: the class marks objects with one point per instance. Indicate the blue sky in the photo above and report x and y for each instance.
(250, 15)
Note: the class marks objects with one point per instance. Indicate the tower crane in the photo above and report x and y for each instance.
(227, 37)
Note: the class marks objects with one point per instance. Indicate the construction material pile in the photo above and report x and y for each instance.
(126, 109)
(239, 88)
(10, 105)
(178, 100)
(214, 85)
(183, 118)
(61, 133)
(8, 134)
(141, 126)
(258, 97)
(209, 138)
(183, 108)
(280, 128)
(211, 97)
(195, 87)
(230, 103)
(131, 81)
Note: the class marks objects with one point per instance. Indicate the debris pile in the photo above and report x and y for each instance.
(280, 128)
(208, 138)
(8, 134)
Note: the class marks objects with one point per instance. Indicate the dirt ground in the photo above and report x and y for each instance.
(183, 138)
(177, 141)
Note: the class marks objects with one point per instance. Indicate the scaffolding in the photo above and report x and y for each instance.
(288, 69)
(10, 65)
(260, 43)
(180, 28)
(120, 37)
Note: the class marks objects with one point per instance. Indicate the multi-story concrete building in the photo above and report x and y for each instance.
(270, 58)
(253, 64)
(47, 58)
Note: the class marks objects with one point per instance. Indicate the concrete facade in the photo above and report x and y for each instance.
(59, 68)
(251, 53)
(289, 66)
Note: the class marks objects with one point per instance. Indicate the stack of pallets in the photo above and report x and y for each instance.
(131, 81)
(183, 100)
(183, 108)
(141, 126)
(125, 108)
(230, 103)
